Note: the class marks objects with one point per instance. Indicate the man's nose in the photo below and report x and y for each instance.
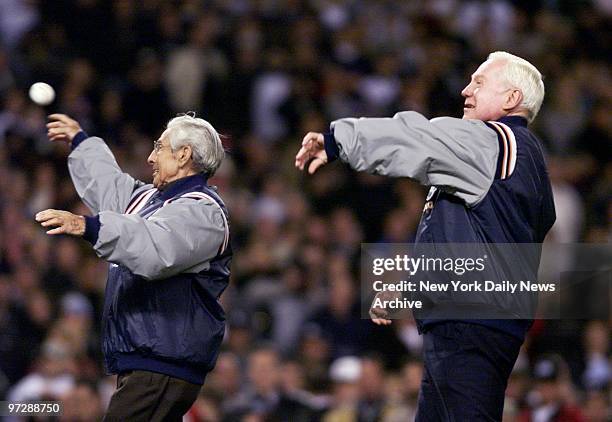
(467, 91)
(151, 159)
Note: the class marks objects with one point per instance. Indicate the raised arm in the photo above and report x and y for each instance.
(183, 236)
(458, 155)
(94, 171)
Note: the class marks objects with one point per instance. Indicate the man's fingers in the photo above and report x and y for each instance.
(60, 137)
(302, 157)
(52, 222)
(61, 117)
(42, 216)
(57, 230)
(381, 321)
(302, 154)
(310, 136)
(55, 124)
(315, 164)
(312, 145)
(378, 313)
(65, 222)
(51, 133)
(56, 131)
(379, 316)
(45, 215)
(53, 136)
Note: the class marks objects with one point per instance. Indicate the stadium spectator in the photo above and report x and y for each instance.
(551, 401)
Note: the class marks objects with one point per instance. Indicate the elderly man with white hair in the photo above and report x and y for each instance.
(488, 185)
(168, 245)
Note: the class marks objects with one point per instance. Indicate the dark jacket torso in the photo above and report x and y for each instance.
(517, 209)
(172, 326)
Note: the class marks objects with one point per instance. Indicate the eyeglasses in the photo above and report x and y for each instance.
(157, 146)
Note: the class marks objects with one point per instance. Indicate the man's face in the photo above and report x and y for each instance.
(264, 371)
(164, 162)
(486, 94)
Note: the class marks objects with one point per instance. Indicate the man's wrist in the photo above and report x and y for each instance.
(331, 148)
(92, 228)
(78, 138)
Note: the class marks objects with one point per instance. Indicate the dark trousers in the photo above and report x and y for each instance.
(466, 370)
(149, 396)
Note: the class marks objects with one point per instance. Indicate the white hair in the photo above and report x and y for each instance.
(206, 148)
(524, 76)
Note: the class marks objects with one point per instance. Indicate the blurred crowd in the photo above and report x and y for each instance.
(264, 72)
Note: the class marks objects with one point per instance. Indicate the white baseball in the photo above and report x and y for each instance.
(42, 93)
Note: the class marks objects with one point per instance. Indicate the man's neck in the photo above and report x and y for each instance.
(518, 113)
(178, 177)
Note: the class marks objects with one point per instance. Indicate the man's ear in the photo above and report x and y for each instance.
(184, 154)
(514, 99)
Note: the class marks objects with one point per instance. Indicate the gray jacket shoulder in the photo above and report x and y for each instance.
(457, 155)
(182, 236)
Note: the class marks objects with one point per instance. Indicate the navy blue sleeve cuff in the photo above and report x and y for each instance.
(331, 148)
(92, 228)
(78, 138)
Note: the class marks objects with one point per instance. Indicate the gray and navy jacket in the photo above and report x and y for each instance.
(169, 255)
(488, 181)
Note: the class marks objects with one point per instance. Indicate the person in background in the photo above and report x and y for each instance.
(550, 398)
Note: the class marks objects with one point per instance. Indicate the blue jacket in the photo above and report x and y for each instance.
(172, 326)
(489, 183)
(517, 208)
(170, 261)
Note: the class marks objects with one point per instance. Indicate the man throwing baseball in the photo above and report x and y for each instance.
(168, 248)
(488, 184)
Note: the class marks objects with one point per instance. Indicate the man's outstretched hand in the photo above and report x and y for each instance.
(381, 316)
(313, 148)
(62, 128)
(65, 222)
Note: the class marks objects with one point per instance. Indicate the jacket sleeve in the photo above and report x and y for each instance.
(459, 156)
(97, 177)
(182, 236)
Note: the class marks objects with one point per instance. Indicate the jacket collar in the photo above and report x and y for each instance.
(514, 120)
(182, 185)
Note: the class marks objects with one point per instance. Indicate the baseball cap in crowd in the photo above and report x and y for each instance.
(346, 369)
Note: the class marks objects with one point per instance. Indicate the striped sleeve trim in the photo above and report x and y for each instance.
(506, 162)
(139, 201)
(201, 195)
